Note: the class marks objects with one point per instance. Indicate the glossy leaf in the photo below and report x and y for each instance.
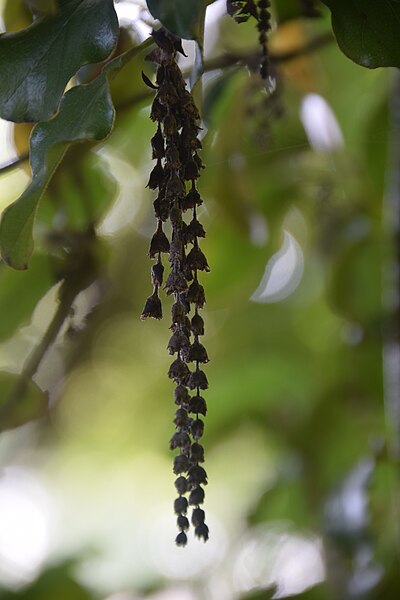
(184, 18)
(367, 31)
(86, 113)
(33, 75)
(20, 402)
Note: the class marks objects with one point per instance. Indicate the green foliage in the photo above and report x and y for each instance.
(32, 402)
(86, 113)
(367, 31)
(38, 279)
(296, 386)
(181, 17)
(33, 76)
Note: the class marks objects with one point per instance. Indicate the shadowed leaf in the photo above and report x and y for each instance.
(367, 31)
(86, 113)
(34, 75)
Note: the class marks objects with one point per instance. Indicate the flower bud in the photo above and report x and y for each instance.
(196, 496)
(152, 308)
(181, 505)
(181, 539)
(181, 464)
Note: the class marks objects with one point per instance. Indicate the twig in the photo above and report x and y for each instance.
(32, 364)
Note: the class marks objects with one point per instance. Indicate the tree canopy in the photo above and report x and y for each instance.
(259, 140)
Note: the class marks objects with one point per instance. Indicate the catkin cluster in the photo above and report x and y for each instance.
(175, 148)
(241, 11)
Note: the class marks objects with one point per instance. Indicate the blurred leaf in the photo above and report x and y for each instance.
(33, 77)
(86, 113)
(286, 10)
(355, 287)
(20, 401)
(285, 501)
(20, 292)
(16, 15)
(54, 584)
(367, 31)
(184, 18)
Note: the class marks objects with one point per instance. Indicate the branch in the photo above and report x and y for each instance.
(32, 364)
(220, 62)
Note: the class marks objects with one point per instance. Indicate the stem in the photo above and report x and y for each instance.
(32, 363)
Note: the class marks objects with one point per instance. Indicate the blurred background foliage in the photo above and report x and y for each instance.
(302, 462)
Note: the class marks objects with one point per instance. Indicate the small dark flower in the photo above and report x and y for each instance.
(158, 110)
(197, 325)
(177, 342)
(159, 242)
(196, 496)
(175, 217)
(157, 144)
(178, 312)
(196, 260)
(181, 539)
(195, 230)
(182, 418)
(198, 516)
(180, 439)
(152, 307)
(181, 464)
(201, 531)
(182, 397)
(175, 250)
(195, 294)
(197, 453)
(170, 126)
(197, 474)
(181, 485)
(164, 40)
(157, 272)
(181, 505)
(156, 176)
(172, 156)
(191, 170)
(197, 429)
(185, 302)
(197, 379)
(176, 282)
(182, 522)
(161, 207)
(178, 371)
(188, 273)
(191, 199)
(198, 405)
(198, 353)
(175, 187)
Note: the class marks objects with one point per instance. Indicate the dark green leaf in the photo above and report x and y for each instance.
(20, 401)
(20, 293)
(86, 113)
(33, 75)
(367, 31)
(184, 18)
